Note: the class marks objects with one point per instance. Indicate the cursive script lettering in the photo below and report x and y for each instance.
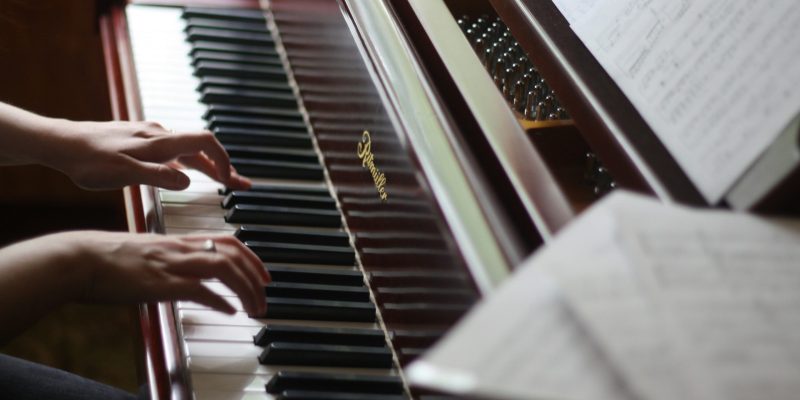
(368, 161)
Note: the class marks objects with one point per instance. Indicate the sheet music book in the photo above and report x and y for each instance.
(715, 79)
(637, 300)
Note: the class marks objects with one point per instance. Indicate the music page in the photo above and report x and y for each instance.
(670, 302)
(715, 79)
(689, 304)
(521, 343)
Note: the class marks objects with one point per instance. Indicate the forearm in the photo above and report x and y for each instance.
(37, 276)
(24, 136)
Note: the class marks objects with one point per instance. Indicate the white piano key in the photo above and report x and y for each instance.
(250, 365)
(208, 317)
(203, 186)
(205, 394)
(225, 395)
(189, 231)
(193, 210)
(204, 223)
(190, 198)
(202, 348)
(219, 333)
(241, 319)
(229, 382)
(163, 66)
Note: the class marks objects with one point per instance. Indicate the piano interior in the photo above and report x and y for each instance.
(408, 155)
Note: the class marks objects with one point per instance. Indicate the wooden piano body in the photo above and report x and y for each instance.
(471, 188)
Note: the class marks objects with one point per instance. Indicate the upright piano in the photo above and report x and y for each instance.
(407, 155)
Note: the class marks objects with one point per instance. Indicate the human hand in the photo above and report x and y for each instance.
(109, 155)
(134, 268)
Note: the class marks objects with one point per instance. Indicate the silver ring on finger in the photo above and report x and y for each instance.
(209, 246)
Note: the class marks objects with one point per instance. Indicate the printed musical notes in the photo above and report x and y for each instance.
(714, 79)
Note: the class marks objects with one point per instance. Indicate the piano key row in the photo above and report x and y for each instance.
(273, 159)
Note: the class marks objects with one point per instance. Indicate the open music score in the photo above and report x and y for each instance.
(692, 305)
(713, 79)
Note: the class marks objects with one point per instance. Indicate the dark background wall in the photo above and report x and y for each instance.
(51, 63)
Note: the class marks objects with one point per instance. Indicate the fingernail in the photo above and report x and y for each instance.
(182, 181)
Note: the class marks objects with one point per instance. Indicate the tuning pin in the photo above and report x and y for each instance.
(519, 96)
(604, 181)
(491, 32)
(499, 67)
(526, 81)
(512, 73)
(590, 168)
(530, 110)
(480, 46)
(538, 91)
(524, 62)
(508, 81)
(471, 34)
(503, 42)
(562, 113)
(540, 111)
(497, 25)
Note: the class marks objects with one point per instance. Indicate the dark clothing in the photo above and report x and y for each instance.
(24, 380)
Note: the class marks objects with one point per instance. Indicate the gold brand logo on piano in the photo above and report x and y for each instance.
(368, 162)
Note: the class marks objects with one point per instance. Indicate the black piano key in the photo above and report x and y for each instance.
(319, 395)
(291, 235)
(247, 214)
(406, 355)
(302, 253)
(425, 294)
(249, 84)
(250, 111)
(195, 34)
(416, 338)
(220, 95)
(320, 276)
(320, 310)
(205, 45)
(221, 56)
(273, 154)
(423, 313)
(239, 70)
(438, 397)
(420, 277)
(278, 199)
(285, 380)
(250, 122)
(304, 334)
(262, 137)
(230, 14)
(216, 23)
(317, 291)
(289, 189)
(307, 354)
(278, 169)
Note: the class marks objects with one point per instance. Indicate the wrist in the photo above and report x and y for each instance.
(56, 142)
(73, 259)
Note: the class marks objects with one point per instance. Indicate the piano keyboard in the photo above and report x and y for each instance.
(201, 68)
